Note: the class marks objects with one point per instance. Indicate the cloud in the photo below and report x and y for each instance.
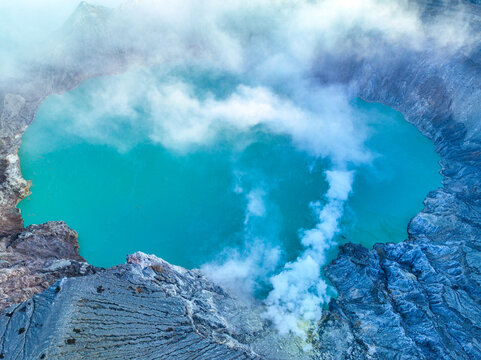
(181, 116)
(181, 119)
(264, 38)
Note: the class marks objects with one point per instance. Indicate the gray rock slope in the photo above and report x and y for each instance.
(146, 309)
(419, 299)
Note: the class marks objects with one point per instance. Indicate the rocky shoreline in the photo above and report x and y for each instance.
(419, 299)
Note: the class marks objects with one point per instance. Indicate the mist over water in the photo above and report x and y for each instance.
(229, 154)
(247, 196)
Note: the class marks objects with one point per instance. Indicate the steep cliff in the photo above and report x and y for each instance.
(420, 299)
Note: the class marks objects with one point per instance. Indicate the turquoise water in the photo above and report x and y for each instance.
(188, 207)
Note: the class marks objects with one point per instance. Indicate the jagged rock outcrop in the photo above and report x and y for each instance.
(419, 299)
(145, 309)
(37, 257)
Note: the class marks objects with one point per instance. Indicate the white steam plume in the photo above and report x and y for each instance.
(298, 290)
(267, 38)
(245, 271)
